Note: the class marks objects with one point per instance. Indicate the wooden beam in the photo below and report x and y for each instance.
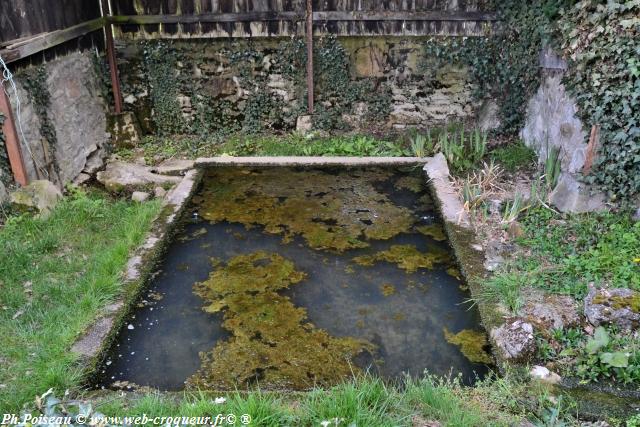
(298, 16)
(404, 15)
(309, 37)
(206, 17)
(12, 141)
(111, 56)
(26, 47)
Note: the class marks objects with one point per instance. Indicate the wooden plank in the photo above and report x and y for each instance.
(206, 17)
(404, 15)
(45, 41)
(12, 141)
(317, 16)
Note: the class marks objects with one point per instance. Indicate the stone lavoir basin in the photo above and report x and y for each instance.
(290, 278)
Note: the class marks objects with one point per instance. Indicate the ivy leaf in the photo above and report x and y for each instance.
(599, 340)
(616, 360)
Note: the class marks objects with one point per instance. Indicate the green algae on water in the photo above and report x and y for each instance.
(387, 289)
(330, 211)
(435, 231)
(472, 344)
(272, 343)
(407, 257)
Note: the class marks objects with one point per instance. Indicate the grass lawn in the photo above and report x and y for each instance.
(365, 401)
(56, 274)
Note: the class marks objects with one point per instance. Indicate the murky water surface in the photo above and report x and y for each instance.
(291, 278)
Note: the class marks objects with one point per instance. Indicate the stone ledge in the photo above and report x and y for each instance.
(95, 341)
(307, 161)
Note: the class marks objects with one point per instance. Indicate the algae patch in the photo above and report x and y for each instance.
(330, 211)
(472, 344)
(407, 257)
(272, 343)
(436, 232)
(387, 289)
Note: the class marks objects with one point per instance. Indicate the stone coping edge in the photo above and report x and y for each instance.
(93, 344)
(307, 161)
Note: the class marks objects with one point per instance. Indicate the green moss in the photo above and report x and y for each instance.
(631, 302)
(407, 257)
(472, 344)
(330, 211)
(272, 343)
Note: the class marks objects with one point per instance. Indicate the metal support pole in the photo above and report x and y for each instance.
(12, 141)
(310, 55)
(111, 56)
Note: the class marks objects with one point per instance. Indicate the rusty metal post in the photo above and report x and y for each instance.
(310, 55)
(12, 141)
(111, 56)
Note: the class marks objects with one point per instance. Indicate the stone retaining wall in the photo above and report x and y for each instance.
(232, 73)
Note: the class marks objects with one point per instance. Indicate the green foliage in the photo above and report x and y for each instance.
(5, 170)
(566, 252)
(463, 150)
(422, 145)
(262, 112)
(601, 41)
(213, 117)
(294, 145)
(57, 274)
(608, 353)
(160, 61)
(514, 156)
(552, 166)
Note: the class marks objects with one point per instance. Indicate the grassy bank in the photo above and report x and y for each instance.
(363, 401)
(56, 274)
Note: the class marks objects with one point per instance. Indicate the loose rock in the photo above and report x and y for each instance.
(545, 375)
(159, 192)
(41, 195)
(617, 306)
(140, 196)
(514, 340)
(304, 124)
(548, 312)
(120, 176)
(173, 167)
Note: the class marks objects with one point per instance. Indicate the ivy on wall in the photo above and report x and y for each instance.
(602, 43)
(35, 84)
(5, 170)
(335, 90)
(504, 65)
(161, 67)
(169, 71)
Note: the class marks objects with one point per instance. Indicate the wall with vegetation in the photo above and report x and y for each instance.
(219, 86)
(63, 116)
